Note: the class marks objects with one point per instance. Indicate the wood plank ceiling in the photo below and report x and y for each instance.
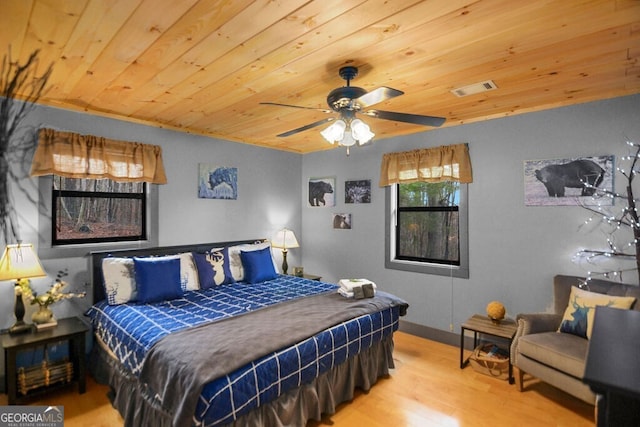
(204, 67)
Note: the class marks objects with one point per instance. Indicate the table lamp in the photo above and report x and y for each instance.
(20, 262)
(284, 239)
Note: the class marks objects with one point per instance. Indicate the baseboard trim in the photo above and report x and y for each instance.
(434, 334)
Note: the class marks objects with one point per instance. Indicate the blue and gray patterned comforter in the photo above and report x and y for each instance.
(131, 330)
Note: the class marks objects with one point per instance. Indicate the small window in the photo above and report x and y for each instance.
(97, 210)
(427, 228)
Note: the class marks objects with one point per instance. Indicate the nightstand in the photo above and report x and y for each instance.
(72, 330)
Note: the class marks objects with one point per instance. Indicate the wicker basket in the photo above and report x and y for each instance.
(487, 362)
(44, 375)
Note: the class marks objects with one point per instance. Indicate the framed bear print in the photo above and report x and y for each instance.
(322, 192)
(569, 182)
(342, 221)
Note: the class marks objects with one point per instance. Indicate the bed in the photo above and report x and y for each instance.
(233, 342)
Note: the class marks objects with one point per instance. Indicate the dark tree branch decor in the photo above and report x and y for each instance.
(618, 222)
(20, 89)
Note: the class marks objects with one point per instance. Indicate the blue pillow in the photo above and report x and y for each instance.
(157, 279)
(258, 265)
(213, 268)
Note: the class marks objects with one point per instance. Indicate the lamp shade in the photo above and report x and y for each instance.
(348, 133)
(347, 140)
(284, 239)
(335, 132)
(361, 131)
(20, 262)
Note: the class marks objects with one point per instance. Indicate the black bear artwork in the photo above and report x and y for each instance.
(317, 190)
(342, 221)
(574, 174)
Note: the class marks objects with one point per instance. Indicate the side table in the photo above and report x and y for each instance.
(480, 324)
(72, 330)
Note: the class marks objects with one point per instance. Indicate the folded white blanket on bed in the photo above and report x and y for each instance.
(349, 284)
(356, 288)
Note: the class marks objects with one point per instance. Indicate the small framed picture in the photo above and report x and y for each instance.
(322, 192)
(357, 191)
(216, 182)
(342, 221)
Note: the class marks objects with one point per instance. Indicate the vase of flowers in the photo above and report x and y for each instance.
(53, 295)
(43, 315)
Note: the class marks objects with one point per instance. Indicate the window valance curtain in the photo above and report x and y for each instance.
(73, 155)
(445, 163)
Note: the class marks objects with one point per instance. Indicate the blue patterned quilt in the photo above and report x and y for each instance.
(130, 330)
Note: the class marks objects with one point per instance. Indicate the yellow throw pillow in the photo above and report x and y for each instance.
(578, 317)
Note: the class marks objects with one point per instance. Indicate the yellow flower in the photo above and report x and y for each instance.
(23, 288)
(54, 294)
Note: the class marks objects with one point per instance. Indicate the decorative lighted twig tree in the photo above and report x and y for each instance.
(621, 225)
(20, 89)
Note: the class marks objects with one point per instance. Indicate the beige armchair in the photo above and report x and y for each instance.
(558, 358)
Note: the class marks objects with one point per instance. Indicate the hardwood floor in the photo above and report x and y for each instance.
(425, 389)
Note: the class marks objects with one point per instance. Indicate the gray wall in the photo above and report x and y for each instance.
(268, 196)
(514, 250)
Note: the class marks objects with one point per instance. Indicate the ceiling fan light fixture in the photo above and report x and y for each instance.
(348, 140)
(348, 101)
(335, 132)
(361, 131)
(347, 133)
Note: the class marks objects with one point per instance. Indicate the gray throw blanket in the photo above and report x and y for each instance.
(179, 365)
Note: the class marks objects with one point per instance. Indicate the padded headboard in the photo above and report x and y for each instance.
(95, 258)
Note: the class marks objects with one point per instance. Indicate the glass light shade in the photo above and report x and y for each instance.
(335, 132)
(20, 262)
(284, 239)
(361, 131)
(348, 140)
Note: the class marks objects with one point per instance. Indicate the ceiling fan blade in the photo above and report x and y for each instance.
(377, 95)
(324, 110)
(407, 118)
(309, 126)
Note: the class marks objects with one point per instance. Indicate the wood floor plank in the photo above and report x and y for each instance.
(426, 388)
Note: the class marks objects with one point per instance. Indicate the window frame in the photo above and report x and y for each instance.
(392, 262)
(58, 194)
(46, 248)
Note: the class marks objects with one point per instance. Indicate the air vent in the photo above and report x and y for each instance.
(474, 88)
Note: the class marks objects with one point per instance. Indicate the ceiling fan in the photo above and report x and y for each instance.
(349, 100)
